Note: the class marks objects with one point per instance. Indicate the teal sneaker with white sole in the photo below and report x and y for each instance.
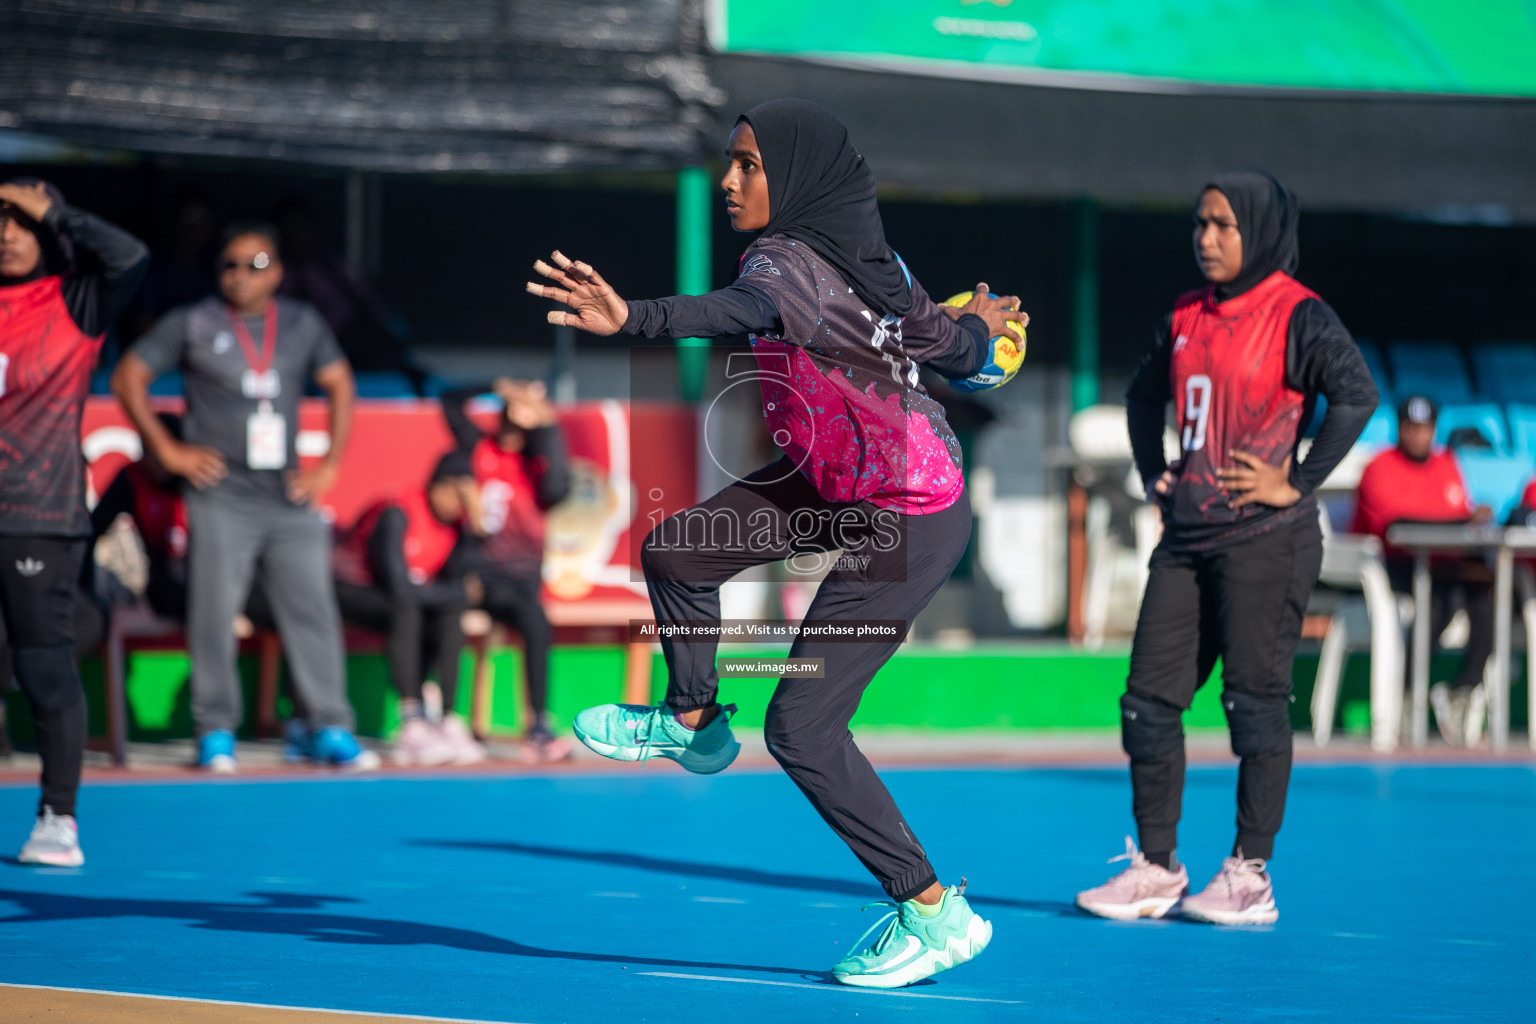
(913, 947)
(635, 732)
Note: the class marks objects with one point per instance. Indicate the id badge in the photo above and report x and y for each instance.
(263, 384)
(266, 439)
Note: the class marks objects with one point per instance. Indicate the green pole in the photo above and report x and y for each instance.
(693, 277)
(1085, 304)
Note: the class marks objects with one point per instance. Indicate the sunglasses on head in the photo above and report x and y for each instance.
(261, 261)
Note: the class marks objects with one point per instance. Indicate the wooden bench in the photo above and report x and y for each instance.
(575, 622)
(137, 627)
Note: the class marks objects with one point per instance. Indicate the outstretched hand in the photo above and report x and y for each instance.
(595, 307)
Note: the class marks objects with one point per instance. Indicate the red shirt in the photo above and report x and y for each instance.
(1227, 371)
(159, 514)
(513, 520)
(1395, 488)
(426, 546)
(45, 372)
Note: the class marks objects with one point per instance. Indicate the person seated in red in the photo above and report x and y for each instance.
(523, 472)
(151, 496)
(1418, 483)
(400, 571)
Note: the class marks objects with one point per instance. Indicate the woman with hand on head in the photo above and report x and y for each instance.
(1244, 360)
(65, 275)
(839, 328)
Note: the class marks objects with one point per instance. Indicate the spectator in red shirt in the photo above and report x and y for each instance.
(400, 572)
(523, 472)
(1415, 482)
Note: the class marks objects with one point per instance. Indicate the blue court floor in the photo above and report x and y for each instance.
(1406, 894)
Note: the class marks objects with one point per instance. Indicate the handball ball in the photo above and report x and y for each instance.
(1003, 361)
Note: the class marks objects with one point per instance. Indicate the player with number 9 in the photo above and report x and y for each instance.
(1244, 360)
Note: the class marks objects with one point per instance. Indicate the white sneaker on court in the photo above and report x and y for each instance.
(420, 743)
(55, 841)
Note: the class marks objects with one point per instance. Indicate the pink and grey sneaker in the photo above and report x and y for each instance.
(1142, 890)
(1241, 893)
(420, 743)
(460, 740)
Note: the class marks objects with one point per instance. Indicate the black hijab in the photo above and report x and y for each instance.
(1266, 217)
(821, 192)
(57, 254)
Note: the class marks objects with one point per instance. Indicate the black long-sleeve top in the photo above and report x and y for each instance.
(108, 265)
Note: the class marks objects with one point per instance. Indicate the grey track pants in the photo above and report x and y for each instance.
(230, 540)
(891, 566)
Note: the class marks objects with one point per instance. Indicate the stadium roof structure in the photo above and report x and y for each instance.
(1403, 106)
(517, 86)
(1413, 106)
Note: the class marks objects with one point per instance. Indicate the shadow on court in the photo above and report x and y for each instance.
(277, 915)
(727, 873)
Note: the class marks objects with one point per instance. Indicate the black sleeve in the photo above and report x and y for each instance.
(1146, 405)
(465, 433)
(738, 309)
(1322, 359)
(386, 552)
(966, 361)
(117, 499)
(109, 263)
(551, 468)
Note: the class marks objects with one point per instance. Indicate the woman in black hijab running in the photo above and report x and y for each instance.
(870, 468)
(1244, 360)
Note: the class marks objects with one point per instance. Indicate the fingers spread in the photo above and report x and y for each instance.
(535, 289)
(561, 259)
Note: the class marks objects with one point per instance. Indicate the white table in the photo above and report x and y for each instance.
(1505, 543)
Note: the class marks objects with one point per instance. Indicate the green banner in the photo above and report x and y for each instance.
(1482, 47)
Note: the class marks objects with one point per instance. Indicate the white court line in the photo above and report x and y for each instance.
(716, 899)
(254, 1006)
(619, 895)
(828, 988)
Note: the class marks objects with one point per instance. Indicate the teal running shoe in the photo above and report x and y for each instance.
(913, 947)
(635, 732)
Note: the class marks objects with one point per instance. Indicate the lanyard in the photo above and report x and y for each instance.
(258, 361)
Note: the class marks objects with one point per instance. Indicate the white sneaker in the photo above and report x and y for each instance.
(1476, 715)
(421, 743)
(55, 841)
(464, 748)
(1450, 708)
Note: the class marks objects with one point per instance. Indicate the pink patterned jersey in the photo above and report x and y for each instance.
(840, 384)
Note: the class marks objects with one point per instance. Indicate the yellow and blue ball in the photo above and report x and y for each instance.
(1003, 360)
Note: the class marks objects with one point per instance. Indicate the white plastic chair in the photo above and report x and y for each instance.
(1098, 436)
(1526, 583)
(1354, 561)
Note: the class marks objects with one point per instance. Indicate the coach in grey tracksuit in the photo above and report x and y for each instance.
(246, 356)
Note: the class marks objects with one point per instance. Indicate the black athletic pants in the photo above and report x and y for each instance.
(420, 639)
(1454, 585)
(39, 580)
(1243, 603)
(890, 567)
(514, 603)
